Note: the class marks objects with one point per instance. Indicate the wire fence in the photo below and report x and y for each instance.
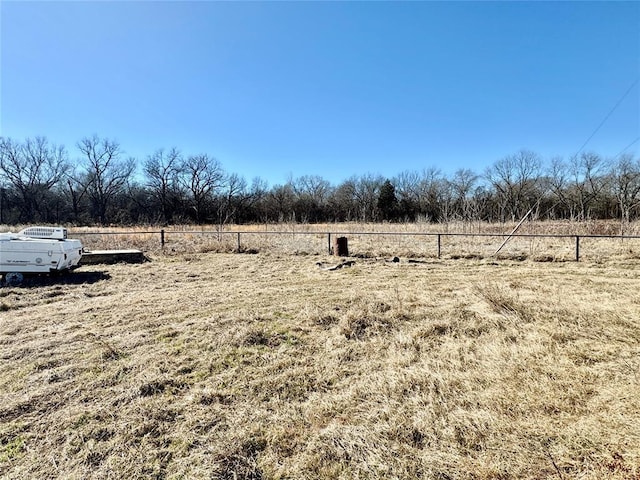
(539, 247)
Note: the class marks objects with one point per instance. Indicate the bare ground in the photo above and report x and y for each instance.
(266, 366)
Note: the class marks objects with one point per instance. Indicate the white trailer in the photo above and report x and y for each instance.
(37, 250)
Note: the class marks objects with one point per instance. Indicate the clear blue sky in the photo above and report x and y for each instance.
(274, 89)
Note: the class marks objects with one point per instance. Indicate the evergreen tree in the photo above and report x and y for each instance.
(388, 202)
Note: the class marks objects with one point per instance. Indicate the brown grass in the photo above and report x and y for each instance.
(267, 366)
(382, 240)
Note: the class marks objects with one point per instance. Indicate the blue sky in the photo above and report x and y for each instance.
(280, 89)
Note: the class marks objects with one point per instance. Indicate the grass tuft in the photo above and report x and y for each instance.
(503, 300)
(240, 461)
(11, 449)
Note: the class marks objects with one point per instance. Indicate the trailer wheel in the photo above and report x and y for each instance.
(13, 279)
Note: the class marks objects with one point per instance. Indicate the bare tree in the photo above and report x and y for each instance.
(106, 173)
(313, 186)
(342, 201)
(625, 184)
(231, 198)
(515, 179)
(252, 205)
(578, 183)
(366, 190)
(32, 168)
(463, 185)
(407, 189)
(280, 202)
(588, 180)
(201, 176)
(432, 194)
(312, 193)
(162, 171)
(75, 190)
(423, 194)
(558, 181)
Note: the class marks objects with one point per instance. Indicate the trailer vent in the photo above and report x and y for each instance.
(57, 233)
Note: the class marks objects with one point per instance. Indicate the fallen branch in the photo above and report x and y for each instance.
(338, 266)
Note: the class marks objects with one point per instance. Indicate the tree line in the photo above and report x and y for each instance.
(102, 185)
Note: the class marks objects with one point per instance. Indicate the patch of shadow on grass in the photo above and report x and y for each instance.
(325, 321)
(213, 398)
(466, 256)
(35, 404)
(157, 387)
(548, 258)
(359, 327)
(248, 251)
(260, 337)
(516, 257)
(75, 278)
(94, 459)
(240, 462)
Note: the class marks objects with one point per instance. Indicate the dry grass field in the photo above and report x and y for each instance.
(207, 365)
(412, 240)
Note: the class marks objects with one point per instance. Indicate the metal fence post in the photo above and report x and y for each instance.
(329, 235)
(162, 238)
(577, 248)
(439, 245)
(238, 241)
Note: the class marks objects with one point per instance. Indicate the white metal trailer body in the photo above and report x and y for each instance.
(27, 252)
